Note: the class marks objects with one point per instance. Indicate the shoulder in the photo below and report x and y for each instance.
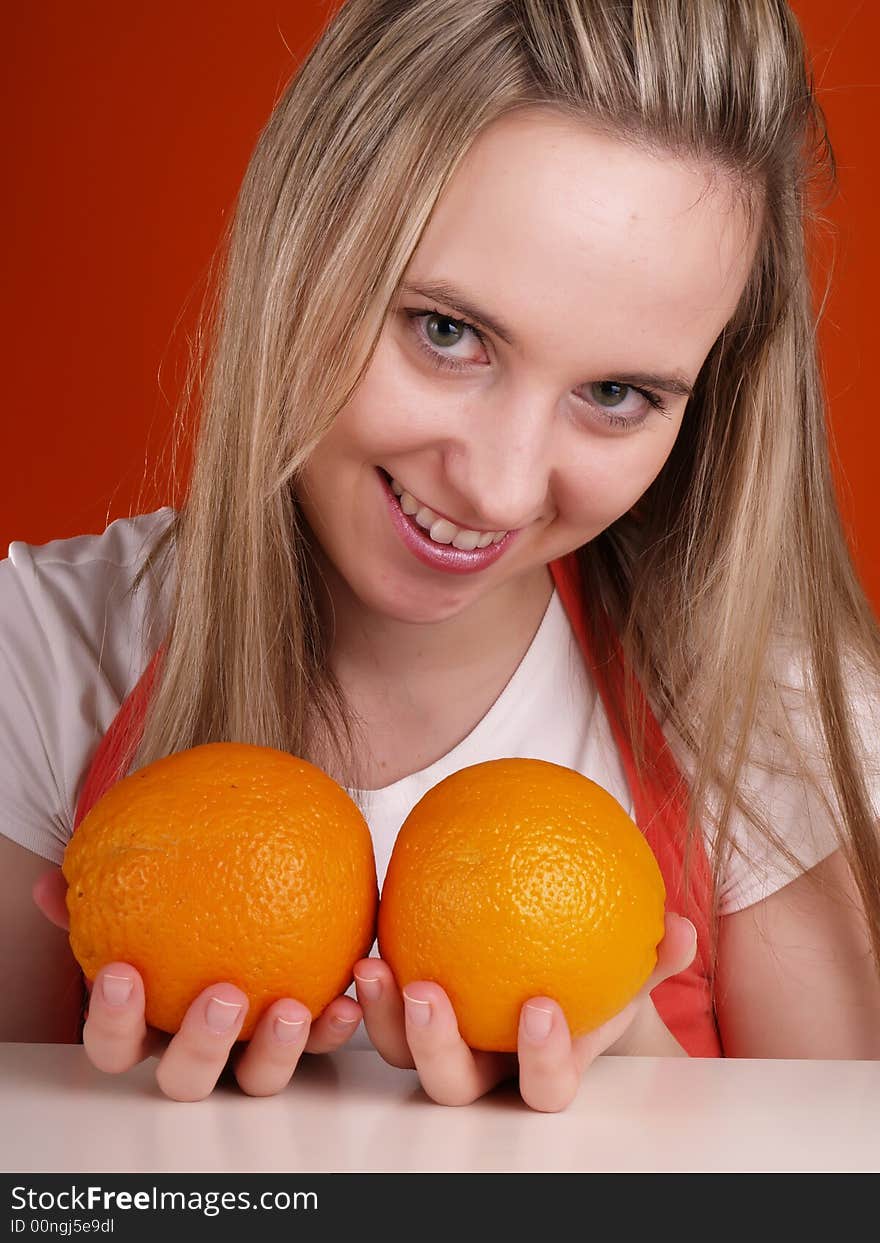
(74, 639)
(49, 588)
(786, 778)
(123, 543)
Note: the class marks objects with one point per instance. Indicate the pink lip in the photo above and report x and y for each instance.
(440, 556)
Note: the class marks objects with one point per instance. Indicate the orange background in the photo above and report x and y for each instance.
(128, 129)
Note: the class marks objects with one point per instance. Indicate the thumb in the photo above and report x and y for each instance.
(49, 892)
(677, 950)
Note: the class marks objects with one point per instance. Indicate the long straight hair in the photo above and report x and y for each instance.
(730, 586)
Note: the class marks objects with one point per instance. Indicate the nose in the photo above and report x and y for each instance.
(500, 462)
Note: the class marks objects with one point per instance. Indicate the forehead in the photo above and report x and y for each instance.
(548, 219)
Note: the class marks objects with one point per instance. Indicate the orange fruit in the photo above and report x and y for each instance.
(224, 863)
(519, 878)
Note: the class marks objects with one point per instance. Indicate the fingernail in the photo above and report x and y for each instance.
(418, 1012)
(537, 1022)
(341, 1024)
(287, 1030)
(694, 930)
(116, 989)
(221, 1015)
(369, 987)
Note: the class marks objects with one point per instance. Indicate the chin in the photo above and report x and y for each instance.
(401, 604)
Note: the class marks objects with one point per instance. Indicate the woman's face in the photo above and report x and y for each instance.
(583, 266)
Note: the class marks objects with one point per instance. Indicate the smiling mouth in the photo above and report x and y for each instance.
(434, 545)
(408, 501)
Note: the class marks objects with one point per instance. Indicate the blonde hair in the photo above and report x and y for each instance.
(733, 565)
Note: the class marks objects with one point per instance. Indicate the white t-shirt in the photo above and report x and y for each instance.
(73, 644)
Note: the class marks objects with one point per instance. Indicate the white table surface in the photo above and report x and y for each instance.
(352, 1112)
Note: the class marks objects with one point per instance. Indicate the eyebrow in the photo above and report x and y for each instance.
(442, 291)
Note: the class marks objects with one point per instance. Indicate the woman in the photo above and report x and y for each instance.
(533, 273)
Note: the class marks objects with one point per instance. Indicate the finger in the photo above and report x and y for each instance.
(451, 1073)
(549, 1073)
(115, 1033)
(675, 952)
(268, 1060)
(194, 1060)
(334, 1025)
(382, 1007)
(49, 892)
(585, 1049)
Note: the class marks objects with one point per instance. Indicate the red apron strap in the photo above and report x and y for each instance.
(684, 1002)
(109, 765)
(118, 745)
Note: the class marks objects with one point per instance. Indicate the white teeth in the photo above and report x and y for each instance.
(409, 504)
(465, 540)
(441, 530)
(425, 517)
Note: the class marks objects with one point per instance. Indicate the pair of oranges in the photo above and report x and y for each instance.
(510, 879)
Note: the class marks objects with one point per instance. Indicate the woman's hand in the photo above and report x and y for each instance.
(116, 1036)
(419, 1029)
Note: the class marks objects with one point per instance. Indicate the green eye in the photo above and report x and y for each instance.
(604, 384)
(441, 335)
(436, 333)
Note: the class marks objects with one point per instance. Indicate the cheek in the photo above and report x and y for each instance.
(381, 411)
(398, 407)
(606, 477)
